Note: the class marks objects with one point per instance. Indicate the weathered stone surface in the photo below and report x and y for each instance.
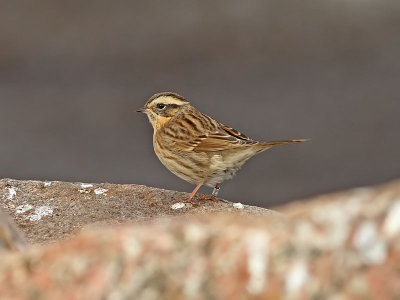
(46, 211)
(340, 246)
(10, 236)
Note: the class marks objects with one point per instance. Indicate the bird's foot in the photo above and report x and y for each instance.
(194, 203)
(208, 197)
(189, 200)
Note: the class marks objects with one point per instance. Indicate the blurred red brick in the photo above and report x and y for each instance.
(344, 245)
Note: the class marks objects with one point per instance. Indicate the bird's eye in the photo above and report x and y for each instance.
(160, 106)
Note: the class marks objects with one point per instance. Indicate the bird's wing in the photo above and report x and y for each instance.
(210, 138)
(224, 138)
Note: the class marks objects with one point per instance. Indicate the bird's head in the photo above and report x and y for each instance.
(160, 108)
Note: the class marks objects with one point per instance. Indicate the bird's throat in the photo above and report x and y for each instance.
(160, 122)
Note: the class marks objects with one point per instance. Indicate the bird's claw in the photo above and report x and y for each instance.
(208, 197)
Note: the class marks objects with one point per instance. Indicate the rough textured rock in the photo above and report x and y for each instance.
(340, 246)
(10, 236)
(46, 211)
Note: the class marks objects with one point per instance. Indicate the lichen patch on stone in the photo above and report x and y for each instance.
(391, 225)
(86, 185)
(257, 263)
(369, 244)
(178, 205)
(40, 212)
(100, 191)
(20, 209)
(238, 205)
(296, 278)
(12, 192)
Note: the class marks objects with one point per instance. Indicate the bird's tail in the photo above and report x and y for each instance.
(277, 143)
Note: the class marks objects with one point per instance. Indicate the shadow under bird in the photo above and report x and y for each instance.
(194, 146)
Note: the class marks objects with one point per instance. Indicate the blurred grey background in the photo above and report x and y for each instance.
(72, 74)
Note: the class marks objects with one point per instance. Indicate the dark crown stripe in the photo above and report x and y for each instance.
(166, 94)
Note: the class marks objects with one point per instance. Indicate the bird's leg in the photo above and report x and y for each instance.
(215, 191)
(189, 199)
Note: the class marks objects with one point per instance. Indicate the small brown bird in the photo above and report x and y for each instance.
(194, 146)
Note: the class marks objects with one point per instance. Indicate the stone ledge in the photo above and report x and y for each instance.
(48, 211)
